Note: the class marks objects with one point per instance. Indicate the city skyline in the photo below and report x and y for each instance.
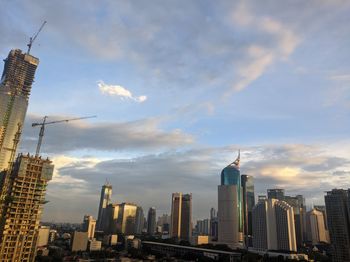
(192, 102)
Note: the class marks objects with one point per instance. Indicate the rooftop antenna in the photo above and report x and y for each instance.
(32, 39)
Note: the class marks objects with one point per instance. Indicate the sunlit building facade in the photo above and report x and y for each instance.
(273, 226)
(89, 226)
(181, 216)
(15, 86)
(105, 200)
(317, 232)
(230, 213)
(24, 198)
(121, 218)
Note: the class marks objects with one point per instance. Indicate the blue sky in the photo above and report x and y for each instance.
(183, 85)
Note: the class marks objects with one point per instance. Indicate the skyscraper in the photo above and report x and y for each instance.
(248, 204)
(203, 227)
(213, 224)
(151, 221)
(273, 225)
(140, 221)
(322, 209)
(89, 225)
(24, 197)
(120, 218)
(15, 86)
(337, 206)
(230, 215)
(299, 210)
(105, 200)
(317, 232)
(276, 193)
(286, 239)
(181, 216)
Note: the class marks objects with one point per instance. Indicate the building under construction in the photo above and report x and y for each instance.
(23, 198)
(16, 83)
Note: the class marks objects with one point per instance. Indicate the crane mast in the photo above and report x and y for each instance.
(44, 123)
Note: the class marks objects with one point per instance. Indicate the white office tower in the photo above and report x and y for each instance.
(273, 226)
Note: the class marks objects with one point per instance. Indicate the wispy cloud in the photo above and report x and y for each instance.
(259, 56)
(117, 90)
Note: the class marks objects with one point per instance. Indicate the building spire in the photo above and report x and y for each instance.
(238, 159)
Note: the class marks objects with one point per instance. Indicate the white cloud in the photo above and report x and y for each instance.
(116, 90)
(259, 57)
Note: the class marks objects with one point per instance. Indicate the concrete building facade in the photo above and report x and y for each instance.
(273, 226)
(24, 197)
(15, 86)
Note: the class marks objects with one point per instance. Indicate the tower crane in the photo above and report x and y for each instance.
(32, 39)
(44, 123)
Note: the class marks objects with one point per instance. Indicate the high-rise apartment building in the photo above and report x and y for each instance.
(322, 209)
(213, 224)
(337, 206)
(276, 193)
(139, 221)
(15, 86)
(248, 204)
(151, 221)
(299, 210)
(273, 226)
(203, 227)
(181, 216)
(285, 226)
(105, 200)
(24, 196)
(316, 229)
(121, 218)
(230, 213)
(89, 226)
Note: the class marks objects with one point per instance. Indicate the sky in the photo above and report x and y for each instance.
(178, 87)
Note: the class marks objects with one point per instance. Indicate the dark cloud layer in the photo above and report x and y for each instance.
(143, 134)
(150, 180)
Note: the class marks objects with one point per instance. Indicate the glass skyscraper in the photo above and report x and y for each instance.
(105, 200)
(230, 215)
(248, 204)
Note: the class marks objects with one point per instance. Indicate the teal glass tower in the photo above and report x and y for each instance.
(231, 175)
(230, 213)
